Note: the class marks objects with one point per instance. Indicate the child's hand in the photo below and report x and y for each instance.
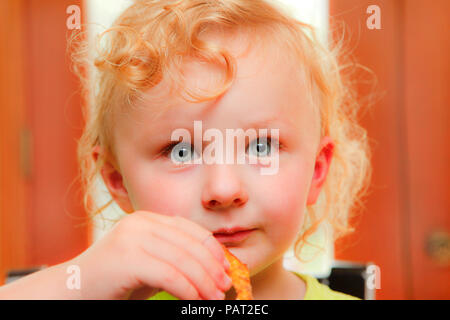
(147, 252)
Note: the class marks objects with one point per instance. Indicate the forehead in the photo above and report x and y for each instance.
(269, 84)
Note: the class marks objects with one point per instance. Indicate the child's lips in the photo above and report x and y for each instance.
(234, 237)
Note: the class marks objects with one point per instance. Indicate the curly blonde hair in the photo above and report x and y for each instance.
(145, 44)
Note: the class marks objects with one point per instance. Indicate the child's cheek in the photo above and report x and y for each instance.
(169, 194)
(283, 201)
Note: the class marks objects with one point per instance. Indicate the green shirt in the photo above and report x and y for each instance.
(314, 291)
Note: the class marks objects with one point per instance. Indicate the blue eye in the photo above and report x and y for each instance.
(181, 152)
(260, 147)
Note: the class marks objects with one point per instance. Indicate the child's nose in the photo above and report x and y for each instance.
(223, 188)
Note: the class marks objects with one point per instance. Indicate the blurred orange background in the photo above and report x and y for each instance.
(405, 227)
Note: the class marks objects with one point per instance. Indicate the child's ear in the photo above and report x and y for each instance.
(113, 180)
(323, 161)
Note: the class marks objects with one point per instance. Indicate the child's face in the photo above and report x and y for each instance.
(267, 91)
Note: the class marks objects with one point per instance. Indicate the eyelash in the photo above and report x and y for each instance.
(167, 149)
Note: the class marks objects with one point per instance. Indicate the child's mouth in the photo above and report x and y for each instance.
(233, 237)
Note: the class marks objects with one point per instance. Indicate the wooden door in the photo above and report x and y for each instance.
(408, 126)
(13, 179)
(57, 221)
(427, 118)
(42, 219)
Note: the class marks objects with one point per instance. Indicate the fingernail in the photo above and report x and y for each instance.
(220, 295)
(226, 264)
(227, 281)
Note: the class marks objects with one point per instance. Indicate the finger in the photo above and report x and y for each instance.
(205, 237)
(211, 243)
(196, 231)
(182, 261)
(195, 248)
(185, 264)
(165, 277)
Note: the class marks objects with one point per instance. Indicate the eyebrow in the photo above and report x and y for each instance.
(257, 124)
(270, 122)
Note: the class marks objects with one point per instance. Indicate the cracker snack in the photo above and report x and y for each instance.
(240, 277)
